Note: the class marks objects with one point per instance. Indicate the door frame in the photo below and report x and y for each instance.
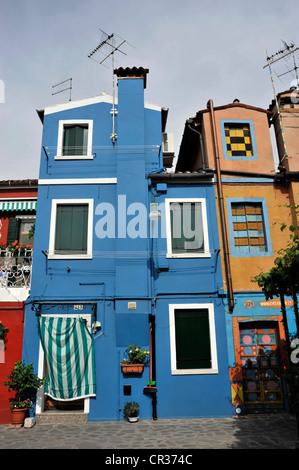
(40, 396)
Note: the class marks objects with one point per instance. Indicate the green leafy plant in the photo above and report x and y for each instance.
(31, 231)
(131, 409)
(136, 355)
(3, 332)
(18, 404)
(23, 382)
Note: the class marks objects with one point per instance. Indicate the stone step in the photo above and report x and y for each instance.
(60, 417)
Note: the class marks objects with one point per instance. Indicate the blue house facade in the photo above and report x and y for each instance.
(125, 254)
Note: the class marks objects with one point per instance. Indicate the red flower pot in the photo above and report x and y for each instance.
(18, 415)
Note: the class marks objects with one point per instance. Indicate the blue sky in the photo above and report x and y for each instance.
(195, 51)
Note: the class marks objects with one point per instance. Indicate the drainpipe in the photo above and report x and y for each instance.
(221, 211)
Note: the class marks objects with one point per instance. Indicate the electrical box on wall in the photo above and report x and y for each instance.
(132, 305)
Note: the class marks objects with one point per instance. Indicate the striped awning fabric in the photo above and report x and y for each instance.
(20, 205)
(69, 354)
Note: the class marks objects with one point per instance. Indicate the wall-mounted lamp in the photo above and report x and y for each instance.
(96, 326)
(154, 214)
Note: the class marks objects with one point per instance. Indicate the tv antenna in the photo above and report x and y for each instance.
(111, 43)
(70, 80)
(289, 49)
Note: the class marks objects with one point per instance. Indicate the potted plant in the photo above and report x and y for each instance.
(131, 411)
(135, 359)
(23, 382)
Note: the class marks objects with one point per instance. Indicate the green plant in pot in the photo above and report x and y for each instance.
(135, 359)
(131, 411)
(136, 354)
(24, 383)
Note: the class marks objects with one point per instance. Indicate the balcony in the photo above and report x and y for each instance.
(15, 268)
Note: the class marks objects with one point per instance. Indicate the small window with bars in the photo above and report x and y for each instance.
(248, 228)
(238, 140)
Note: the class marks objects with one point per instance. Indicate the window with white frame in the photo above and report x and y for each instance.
(71, 229)
(186, 227)
(75, 139)
(192, 339)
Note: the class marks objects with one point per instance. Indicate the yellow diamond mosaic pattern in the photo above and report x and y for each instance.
(238, 140)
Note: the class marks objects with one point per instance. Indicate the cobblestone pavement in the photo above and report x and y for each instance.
(252, 432)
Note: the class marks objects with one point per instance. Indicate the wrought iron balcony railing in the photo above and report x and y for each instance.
(15, 268)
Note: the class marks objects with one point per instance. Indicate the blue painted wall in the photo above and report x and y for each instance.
(120, 269)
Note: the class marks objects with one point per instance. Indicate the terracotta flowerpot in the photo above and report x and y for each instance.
(132, 368)
(18, 415)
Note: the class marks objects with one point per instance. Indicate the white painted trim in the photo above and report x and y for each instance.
(88, 255)
(214, 368)
(169, 254)
(78, 103)
(14, 294)
(154, 107)
(61, 125)
(77, 181)
(103, 98)
(18, 199)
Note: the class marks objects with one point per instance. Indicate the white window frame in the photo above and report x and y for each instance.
(61, 126)
(51, 253)
(24, 218)
(206, 253)
(212, 330)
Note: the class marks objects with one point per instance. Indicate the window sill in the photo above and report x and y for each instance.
(188, 255)
(251, 255)
(70, 256)
(194, 371)
(73, 157)
(252, 157)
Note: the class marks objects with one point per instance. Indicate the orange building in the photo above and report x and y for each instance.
(234, 143)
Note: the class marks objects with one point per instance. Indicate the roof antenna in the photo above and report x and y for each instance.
(279, 55)
(111, 45)
(68, 88)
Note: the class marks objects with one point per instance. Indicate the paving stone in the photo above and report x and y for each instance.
(263, 432)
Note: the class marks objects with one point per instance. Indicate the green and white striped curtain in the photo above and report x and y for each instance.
(69, 354)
